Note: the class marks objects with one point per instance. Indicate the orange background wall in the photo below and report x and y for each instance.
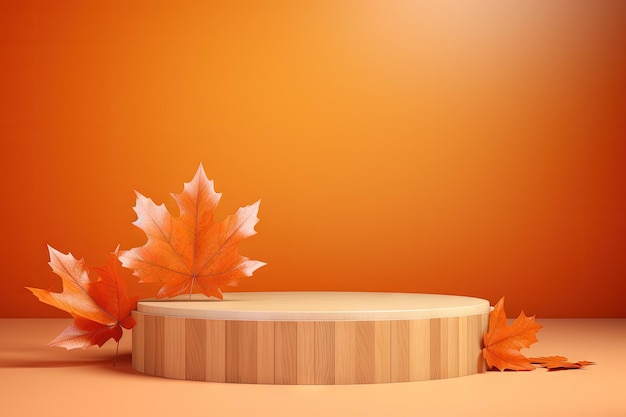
(461, 147)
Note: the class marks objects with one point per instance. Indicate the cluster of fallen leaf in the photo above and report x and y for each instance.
(191, 253)
(186, 254)
(502, 344)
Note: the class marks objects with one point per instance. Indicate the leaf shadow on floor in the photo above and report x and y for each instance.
(51, 363)
(124, 365)
(49, 359)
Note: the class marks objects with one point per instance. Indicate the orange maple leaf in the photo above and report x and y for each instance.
(502, 343)
(100, 307)
(558, 363)
(191, 252)
(545, 359)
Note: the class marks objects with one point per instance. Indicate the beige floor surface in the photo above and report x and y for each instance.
(38, 380)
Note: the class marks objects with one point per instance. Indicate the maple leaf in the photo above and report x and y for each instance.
(558, 363)
(100, 307)
(502, 343)
(545, 359)
(191, 252)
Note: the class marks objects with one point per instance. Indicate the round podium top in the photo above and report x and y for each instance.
(316, 306)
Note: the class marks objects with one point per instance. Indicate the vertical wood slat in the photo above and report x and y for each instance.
(215, 351)
(159, 342)
(484, 321)
(265, 352)
(232, 351)
(174, 347)
(400, 351)
(148, 340)
(435, 348)
(138, 355)
(324, 355)
(308, 352)
(382, 351)
(305, 356)
(462, 347)
(345, 352)
(365, 355)
(419, 345)
(452, 343)
(285, 348)
(195, 346)
(247, 352)
(472, 345)
(443, 344)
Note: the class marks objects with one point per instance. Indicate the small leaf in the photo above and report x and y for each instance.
(558, 366)
(558, 363)
(545, 359)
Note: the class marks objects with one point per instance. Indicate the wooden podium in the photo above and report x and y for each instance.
(310, 337)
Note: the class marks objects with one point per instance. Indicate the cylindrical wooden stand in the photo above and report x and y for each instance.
(311, 337)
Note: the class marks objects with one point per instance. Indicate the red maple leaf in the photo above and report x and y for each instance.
(100, 307)
(502, 343)
(191, 252)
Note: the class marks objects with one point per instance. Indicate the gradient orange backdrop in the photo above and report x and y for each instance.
(460, 147)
